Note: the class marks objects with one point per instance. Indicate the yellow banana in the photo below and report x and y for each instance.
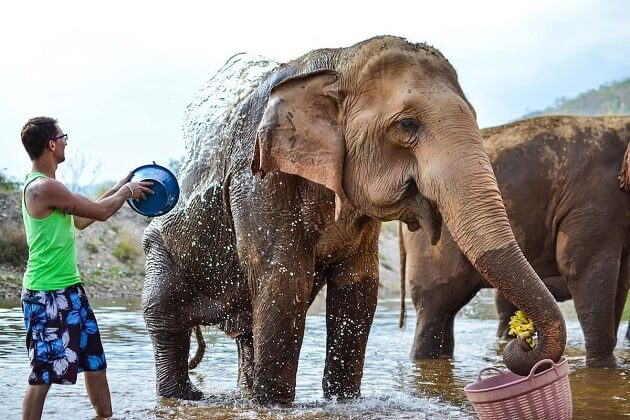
(522, 327)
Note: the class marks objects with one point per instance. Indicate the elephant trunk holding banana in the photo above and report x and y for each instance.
(288, 196)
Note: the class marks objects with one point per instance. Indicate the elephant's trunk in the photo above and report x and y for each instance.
(464, 186)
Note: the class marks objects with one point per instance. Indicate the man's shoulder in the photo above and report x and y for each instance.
(45, 182)
(44, 186)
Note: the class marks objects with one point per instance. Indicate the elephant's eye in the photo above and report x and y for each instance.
(410, 125)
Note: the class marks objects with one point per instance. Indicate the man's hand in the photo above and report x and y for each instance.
(83, 222)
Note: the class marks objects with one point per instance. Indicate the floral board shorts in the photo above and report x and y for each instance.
(62, 336)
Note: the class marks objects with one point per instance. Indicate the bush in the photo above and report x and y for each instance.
(91, 247)
(13, 247)
(127, 248)
(8, 184)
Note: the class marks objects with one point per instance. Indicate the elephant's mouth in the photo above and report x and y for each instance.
(421, 213)
(417, 211)
(425, 215)
(411, 207)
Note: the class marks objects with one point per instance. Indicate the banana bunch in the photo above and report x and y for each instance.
(523, 327)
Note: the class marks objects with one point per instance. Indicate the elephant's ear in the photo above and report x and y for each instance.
(624, 174)
(300, 134)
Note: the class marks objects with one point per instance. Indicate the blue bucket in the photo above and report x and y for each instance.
(164, 186)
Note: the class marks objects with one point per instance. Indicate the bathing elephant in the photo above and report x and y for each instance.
(287, 195)
(560, 182)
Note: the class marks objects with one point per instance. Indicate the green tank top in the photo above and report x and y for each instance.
(52, 251)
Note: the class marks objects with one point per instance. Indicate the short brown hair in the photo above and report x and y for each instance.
(36, 133)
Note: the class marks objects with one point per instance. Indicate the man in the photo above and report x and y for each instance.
(62, 334)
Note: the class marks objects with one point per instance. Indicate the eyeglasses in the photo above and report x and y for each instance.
(64, 137)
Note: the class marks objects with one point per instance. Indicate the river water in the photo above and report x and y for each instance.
(393, 385)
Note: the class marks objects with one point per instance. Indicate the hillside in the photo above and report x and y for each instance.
(608, 99)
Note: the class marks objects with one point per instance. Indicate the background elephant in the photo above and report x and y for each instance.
(558, 177)
(281, 200)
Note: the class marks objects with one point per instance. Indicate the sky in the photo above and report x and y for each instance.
(118, 75)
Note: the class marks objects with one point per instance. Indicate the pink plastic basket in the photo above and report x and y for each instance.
(543, 395)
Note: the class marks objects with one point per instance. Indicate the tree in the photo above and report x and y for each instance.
(79, 169)
(7, 183)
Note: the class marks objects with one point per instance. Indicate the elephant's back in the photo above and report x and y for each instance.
(548, 165)
(209, 118)
(557, 132)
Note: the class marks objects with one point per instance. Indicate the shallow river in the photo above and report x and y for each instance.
(393, 386)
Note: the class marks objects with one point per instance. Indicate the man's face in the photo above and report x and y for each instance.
(58, 145)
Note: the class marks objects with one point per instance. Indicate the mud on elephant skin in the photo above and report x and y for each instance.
(562, 186)
(280, 200)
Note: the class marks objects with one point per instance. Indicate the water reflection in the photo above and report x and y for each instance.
(393, 386)
(437, 378)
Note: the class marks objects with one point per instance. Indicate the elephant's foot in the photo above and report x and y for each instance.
(341, 392)
(434, 336)
(429, 352)
(186, 391)
(245, 345)
(276, 395)
(601, 362)
(434, 349)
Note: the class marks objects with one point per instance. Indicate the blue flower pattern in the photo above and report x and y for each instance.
(49, 318)
(61, 355)
(96, 362)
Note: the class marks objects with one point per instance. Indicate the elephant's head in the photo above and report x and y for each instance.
(391, 133)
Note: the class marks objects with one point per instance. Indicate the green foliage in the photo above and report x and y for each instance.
(91, 247)
(127, 248)
(8, 184)
(13, 247)
(608, 99)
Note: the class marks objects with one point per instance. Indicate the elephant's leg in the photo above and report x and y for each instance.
(350, 310)
(170, 311)
(169, 334)
(245, 345)
(169, 327)
(441, 281)
(592, 278)
(436, 308)
(171, 362)
(280, 306)
(439, 289)
(622, 292)
(239, 327)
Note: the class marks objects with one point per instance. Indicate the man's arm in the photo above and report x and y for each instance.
(53, 194)
(83, 222)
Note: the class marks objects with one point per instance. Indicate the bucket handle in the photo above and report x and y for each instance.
(539, 364)
(496, 369)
